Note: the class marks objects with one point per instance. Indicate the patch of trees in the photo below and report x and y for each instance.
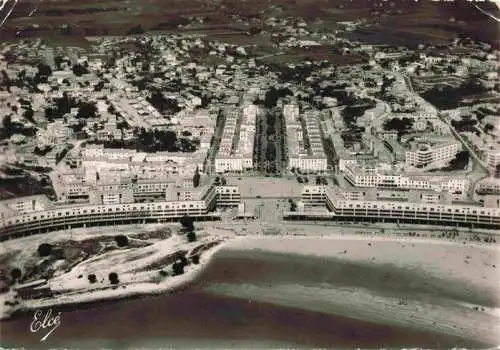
(162, 104)
(121, 240)
(92, 278)
(460, 161)
(43, 73)
(401, 125)
(337, 91)
(15, 274)
(351, 113)
(44, 249)
(187, 223)
(86, 110)
(79, 70)
(448, 97)
(10, 128)
(273, 95)
(158, 140)
(61, 106)
(464, 124)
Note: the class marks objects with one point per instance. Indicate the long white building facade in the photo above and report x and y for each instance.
(303, 138)
(346, 205)
(235, 152)
(360, 176)
(36, 214)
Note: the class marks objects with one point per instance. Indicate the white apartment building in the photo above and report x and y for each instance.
(37, 214)
(376, 177)
(425, 154)
(491, 157)
(429, 208)
(235, 152)
(301, 157)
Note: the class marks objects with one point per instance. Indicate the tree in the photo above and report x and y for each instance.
(79, 70)
(121, 240)
(28, 114)
(488, 127)
(44, 249)
(113, 278)
(92, 278)
(196, 178)
(191, 236)
(86, 110)
(16, 273)
(44, 70)
(178, 268)
(195, 259)
(187, 223)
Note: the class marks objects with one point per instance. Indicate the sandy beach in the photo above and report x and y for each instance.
(449, 287)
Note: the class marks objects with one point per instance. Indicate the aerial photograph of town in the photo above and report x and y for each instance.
(249, 174)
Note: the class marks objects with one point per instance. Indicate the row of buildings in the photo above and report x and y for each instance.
(304, 141)
(235, 153)
(379, 176)
(385, 205)
(36, 214)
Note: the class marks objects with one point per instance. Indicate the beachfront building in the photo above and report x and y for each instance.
(303, 138)
(415, 207)
(37, 214)
(383, 177)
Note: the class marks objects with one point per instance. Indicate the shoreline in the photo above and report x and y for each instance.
(237, 242)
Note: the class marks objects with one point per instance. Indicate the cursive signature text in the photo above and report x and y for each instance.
(45, 321)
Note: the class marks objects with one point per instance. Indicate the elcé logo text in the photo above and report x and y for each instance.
(45, 322)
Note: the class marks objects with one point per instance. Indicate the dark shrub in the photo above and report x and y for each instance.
(187, 223)
(92, 278)
(191, 236)
(121, 240)
(16, 273)
(178, 268)
(44, 249)
(113, 278)
(195, 259)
